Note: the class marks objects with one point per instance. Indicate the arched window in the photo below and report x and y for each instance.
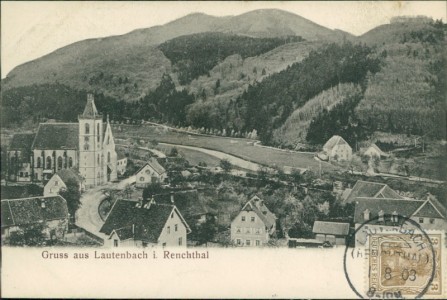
(39, 162)
(98, 160)
(59, 162)
(108, 157)
(70, 162)
(87, 128)
(108, 139)
(97, 132)
(86, 147)
(48, 162)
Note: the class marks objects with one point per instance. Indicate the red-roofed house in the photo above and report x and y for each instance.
(17, 214)
(254, 225)
(137, 224)
(336, 148)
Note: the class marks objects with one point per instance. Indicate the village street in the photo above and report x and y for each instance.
(87, 216)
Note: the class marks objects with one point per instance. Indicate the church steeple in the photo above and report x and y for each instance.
(90, 110)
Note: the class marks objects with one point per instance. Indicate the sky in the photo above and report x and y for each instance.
(30, 30)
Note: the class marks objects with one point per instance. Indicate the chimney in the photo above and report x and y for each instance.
(172, 198)
(42, 203)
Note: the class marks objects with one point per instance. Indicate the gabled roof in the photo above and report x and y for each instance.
(22, 141)
(124, 233)
(57, 136)
(120, 154)
(16, 212)
(334, 141)
(67, 175)
(147, 223)
(403, 207)
(375, 147)
(373, 190)
(334, 228)
(153, 163)
(257, 205)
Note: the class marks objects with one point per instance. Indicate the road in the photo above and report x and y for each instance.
(87, 216)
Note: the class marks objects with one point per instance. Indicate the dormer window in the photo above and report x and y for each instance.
(381, 216)
(243, 218)
(366, 215)
(395, 217)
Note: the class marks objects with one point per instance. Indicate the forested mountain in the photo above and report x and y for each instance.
(208, 72)
(195, 55)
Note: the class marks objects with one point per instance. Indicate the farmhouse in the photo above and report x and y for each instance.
(332, 232)
(151, 172)
(371, 190)
(254, 225)
(20, 214)
(142, 224)
(61, 180)
(336, 148)
(386, 215)
(87, 146)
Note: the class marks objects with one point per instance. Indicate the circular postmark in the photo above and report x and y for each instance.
(397, 258)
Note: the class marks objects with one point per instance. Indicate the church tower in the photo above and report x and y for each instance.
(91, 158)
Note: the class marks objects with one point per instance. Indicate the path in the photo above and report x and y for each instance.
(87, 216)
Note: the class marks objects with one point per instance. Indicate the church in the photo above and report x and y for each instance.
(87, 146)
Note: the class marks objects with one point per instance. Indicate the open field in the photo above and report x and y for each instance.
(194, 157)
(239, 147)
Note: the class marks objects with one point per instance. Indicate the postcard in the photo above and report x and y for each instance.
(223, 149)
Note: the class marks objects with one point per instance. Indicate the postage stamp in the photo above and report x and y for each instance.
(405, 265)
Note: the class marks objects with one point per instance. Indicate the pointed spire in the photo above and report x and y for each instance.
(107, 118)
(90, 110)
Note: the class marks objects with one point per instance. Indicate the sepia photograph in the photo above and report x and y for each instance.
(238, 149)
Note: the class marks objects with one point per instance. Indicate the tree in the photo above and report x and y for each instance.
(173, 152)
(151, 190)
(72, 195)
(225, 165)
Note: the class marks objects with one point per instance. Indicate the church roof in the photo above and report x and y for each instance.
(57, 136)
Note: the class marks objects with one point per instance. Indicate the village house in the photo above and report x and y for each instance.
(374, 151)
(254, 225)
(19, 157)
(87, 146)
(151, 172)
(61, 180)
(19, 214)
(369, 189)
(386, 215)
(121, 163)
(337, 149)
(144, 224)
(332, 232)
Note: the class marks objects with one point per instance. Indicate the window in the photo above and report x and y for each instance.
(252, 219)
(395, 217)
(56, 182)
(48, 162)
(98, 159)
(86, 147)
(86, 139)
(38, 162)
(175, 227)
(59, 162)
(248, 242)
(98, 133)
(168, 229)
(108, 157)
(87, 128)
(172, 215)
(432, 221)
(180, 241)
(247, 230)
(70, 162)
(164, 245)
(258, 231)
(421, 220)
(115, 243)
(37, 176)
(258, 243)
(144, 244)
(243, 218)
(238, 242)
(108, 139)
(238, 230)
(141, 178)
(21, 174)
